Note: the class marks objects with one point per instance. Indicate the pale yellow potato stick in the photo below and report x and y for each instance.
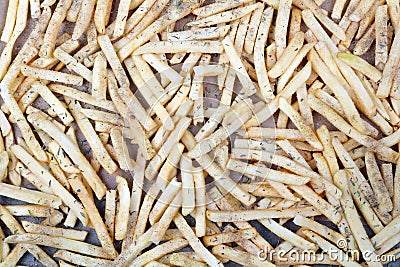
(58, 242)
(109, 213)
(51, 75)
(56, 20)
(73, 11)
(228, 237)
(290, 69)
(81, 260)
(84, 18)
(121, 218)
(94, 216)
(138, 14)
(389, 71)
(383, 152)
(20, 24)
(47, 178)
(365, 208)
(377, 182)
(73, 64)
(253, 28)
(361, 10)
(381, 36)
(72, 149)
(287, 55)
(266, 173)
(259, 54)
(62, 159)
(164, 200)
(173, 138)
(10, 21)
(282, 20)
(300, 123)
(218, 7)
(218, 173)
(54, 231)
(340, 92)
(226, 16)
(387, 174)
(319, 203)
(29, 210)
(162, 225)
(261, 132)
(394, 12)
(361, 65)
(199, 34)
(289, 90)
(101, 15)
(99, 89)
(194, 242)
(162, 67)
(364, 43)
(149, 78)
(29, 196)
(150, 98)
(356, 226)
(338, 9)
(188, 189)
(343, 258)
(122, 15)
(54, 102)
(158, 25)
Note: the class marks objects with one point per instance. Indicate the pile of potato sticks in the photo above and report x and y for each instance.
(137, 78)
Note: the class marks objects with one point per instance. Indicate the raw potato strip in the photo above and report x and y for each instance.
(218, 7)
(282, 20)
(300, 123)
(58, 242)
(29, 196)
(195, 243)
(361, 10)
(259, 54)
(80, 260)
(226, 16)
(110, 209)
(394, 12)
(160, 47)
(10, 21)
(121, 218)
(287, 55)
(94, 141)
(56, 20)
(51, 75)
(54, 102)
(172, 15)
(253, 28)
(121, 150)
(361, 65)
(199, 34)
(84, 18)
(72, 149)
(354, 220)
(340, 92)
(94, 216)
(47, 178)
(188, 190)
(54, 231)
(20, 24)
(82, 97)
(389, 71)
(377, 183)
(122, 15)
(387, 174)
(228, 237)
(73, 64)
(384, 152)
(382, 41)
(364, 44)
(342, 257)
(101, 15)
